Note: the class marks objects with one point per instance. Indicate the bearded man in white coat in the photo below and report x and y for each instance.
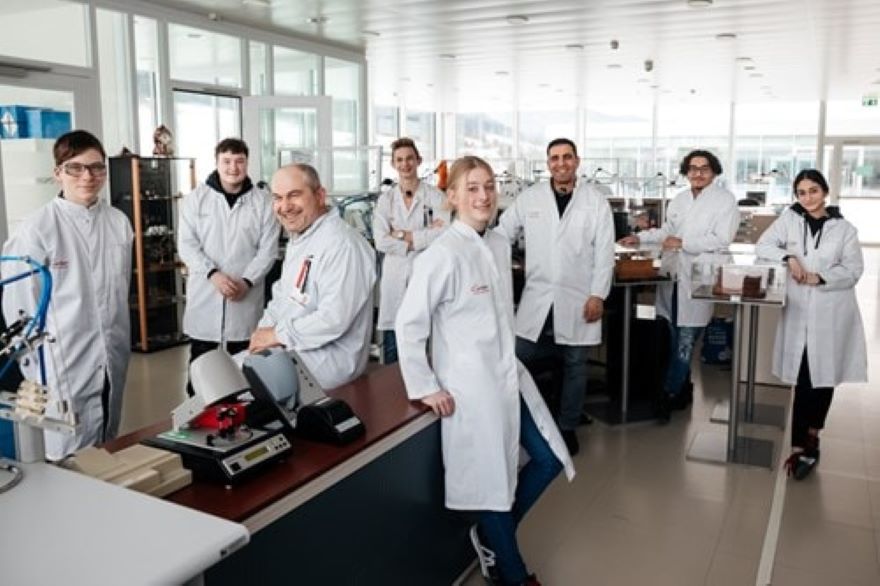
(228, 239)
(701, 219)
(569, 239)
(322, 306)
(86, 244)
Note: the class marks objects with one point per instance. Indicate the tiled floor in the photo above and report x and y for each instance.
(639, 513)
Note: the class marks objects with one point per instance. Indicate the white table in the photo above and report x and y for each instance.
(60, 527)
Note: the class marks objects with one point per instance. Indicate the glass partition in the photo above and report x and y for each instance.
(198, 55)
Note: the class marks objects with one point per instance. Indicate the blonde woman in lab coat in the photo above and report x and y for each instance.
(461, 296)
(407, 218)
(86, 244)
(820, 341)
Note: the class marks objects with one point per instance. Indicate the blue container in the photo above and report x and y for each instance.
(14, 121)
(7, 439)
(46, 123)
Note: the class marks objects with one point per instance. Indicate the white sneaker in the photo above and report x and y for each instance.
(485, 555)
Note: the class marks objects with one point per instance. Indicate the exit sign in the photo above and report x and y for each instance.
(870, 100)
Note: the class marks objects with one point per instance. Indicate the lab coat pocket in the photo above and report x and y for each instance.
(580, 229)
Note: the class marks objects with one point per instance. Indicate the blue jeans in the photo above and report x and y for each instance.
(389, 347)
(498, 528)
(682, 340)
(575, 371)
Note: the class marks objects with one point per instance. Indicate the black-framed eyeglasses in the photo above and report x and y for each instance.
(77, 169)
(705, 170)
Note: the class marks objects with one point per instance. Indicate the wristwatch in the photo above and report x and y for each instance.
(399, 234)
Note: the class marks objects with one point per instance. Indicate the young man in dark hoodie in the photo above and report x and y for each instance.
(228, 239)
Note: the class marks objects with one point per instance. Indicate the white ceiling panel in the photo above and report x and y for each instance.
(800, 49)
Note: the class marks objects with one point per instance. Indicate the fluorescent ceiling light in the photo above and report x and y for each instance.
(517, 19)
(725, 36)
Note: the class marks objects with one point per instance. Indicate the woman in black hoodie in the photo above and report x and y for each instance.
(820, 341)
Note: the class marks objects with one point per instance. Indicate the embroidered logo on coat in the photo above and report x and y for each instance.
(60, 264)
(480, 289)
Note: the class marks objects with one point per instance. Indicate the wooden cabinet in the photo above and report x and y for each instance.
(147, 190)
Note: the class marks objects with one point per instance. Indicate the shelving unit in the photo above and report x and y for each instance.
(147, 191)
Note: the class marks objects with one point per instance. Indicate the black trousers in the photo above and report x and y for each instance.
(199, 347)
(811, 405)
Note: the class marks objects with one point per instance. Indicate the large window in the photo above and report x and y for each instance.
(203, 120)
(296, 72)
(537, 129)
(487, 135)
(850, 118)
(773, 142)
(113, 63)
(49, 30)
(421, 127)
(619, 142)
(202, 56)
(149, 111)
(259, 61)
(342, 81)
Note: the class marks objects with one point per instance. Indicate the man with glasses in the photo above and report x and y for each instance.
(228, 239)
(702, 218)
(86, 245)
(569, 239)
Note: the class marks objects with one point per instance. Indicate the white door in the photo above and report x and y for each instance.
(26, 162)
(282, 130)
(855, 183)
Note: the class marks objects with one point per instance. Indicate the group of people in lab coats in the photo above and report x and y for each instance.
(446, 290)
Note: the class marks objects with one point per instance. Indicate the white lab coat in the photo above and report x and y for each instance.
(88, 252)
(390, 215)
(824, 318)
(328, 320)
(461, 295)
(568, 260)
(705, 225)
(241, 242)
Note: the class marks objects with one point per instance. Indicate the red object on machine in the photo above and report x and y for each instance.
(222, 416)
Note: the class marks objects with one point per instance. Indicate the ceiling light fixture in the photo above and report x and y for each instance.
(574, 47)
(517, 19)
(699, 3)
(725, 36)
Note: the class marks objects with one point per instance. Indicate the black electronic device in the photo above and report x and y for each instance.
(328, 420)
